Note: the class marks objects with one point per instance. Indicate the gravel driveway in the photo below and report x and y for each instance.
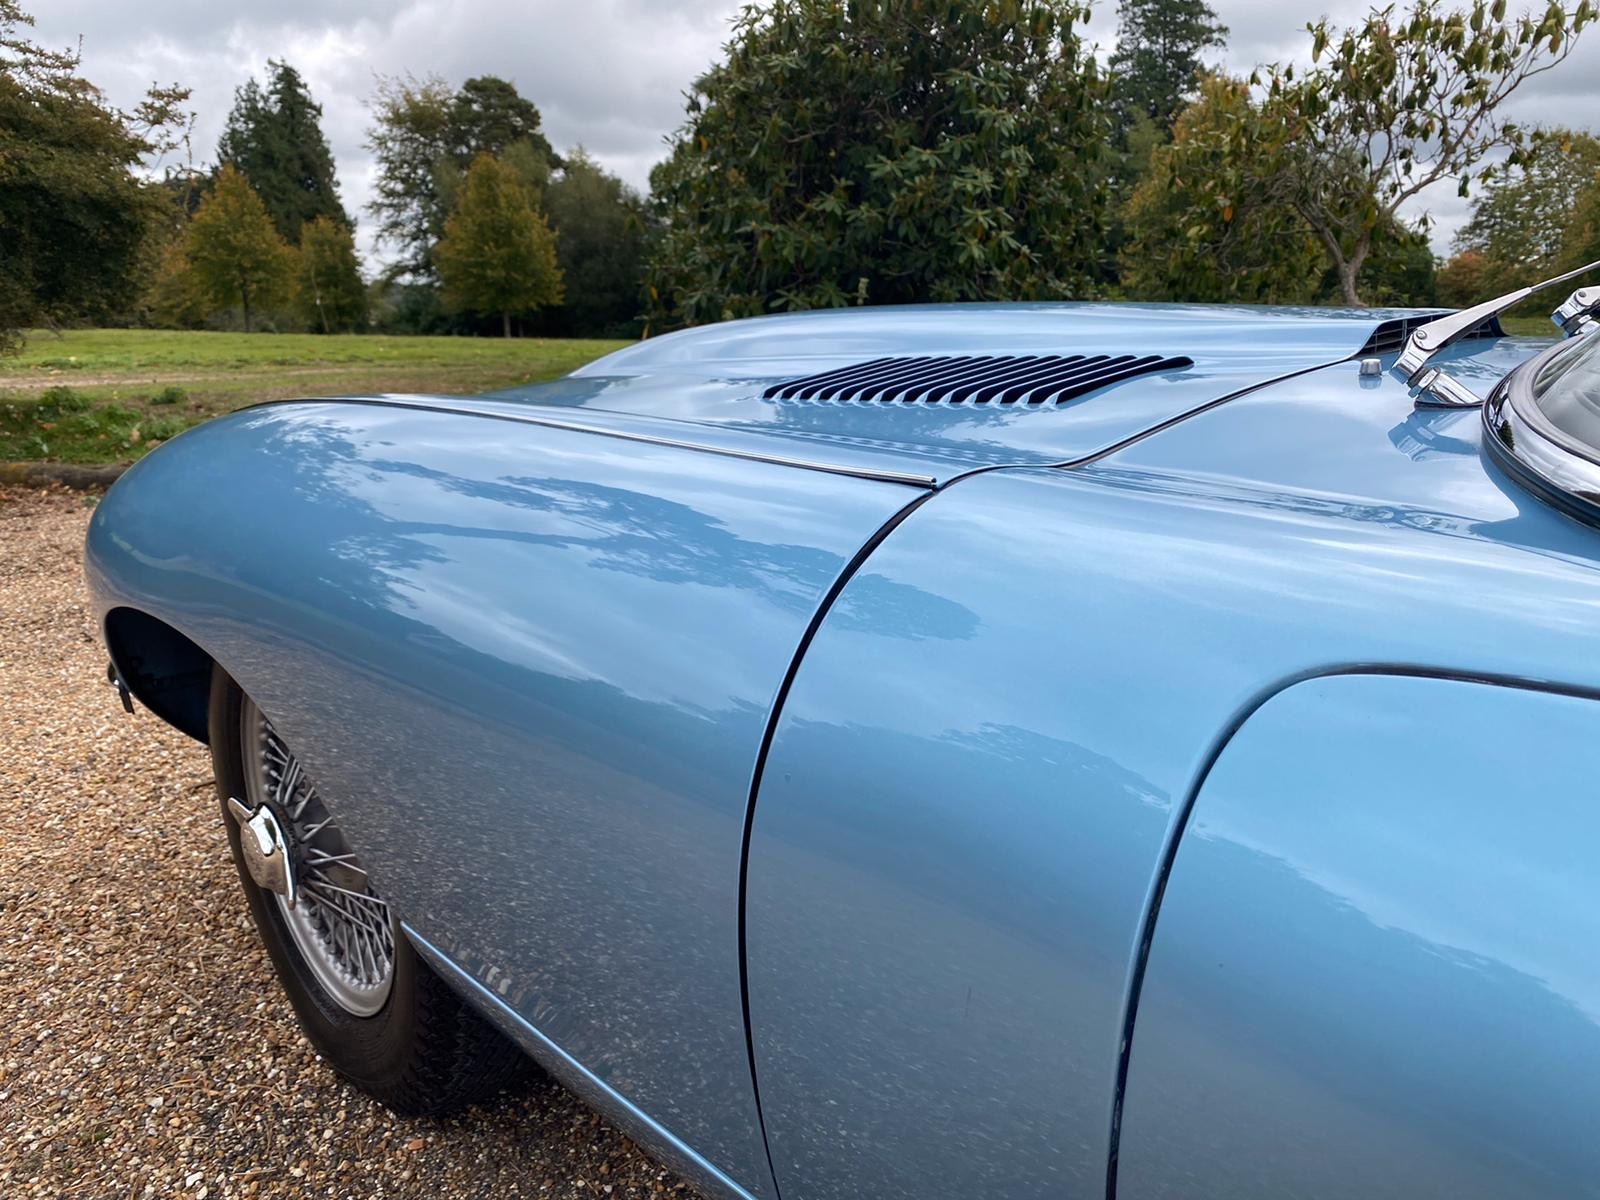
(145, 1049)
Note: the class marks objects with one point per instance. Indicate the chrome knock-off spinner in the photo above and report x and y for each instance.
(266, 850)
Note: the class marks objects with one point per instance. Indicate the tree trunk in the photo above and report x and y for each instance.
(244, 294)
(505, 324)
(1347, 285)
(1347, 268)
(1350, 274)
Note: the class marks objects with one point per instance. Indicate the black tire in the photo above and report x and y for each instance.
(425, 1052)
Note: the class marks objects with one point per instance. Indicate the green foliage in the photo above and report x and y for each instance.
(274, 137)
(1207, 224)
(1581, 241)
(235, 252)
(489, 116)
(56, 402)
(601, 228)
(170, 395)
(176, 298)
(1157, 63)
(424, 137)
(329, 292)
(76, 217)
(1204, 226)
(498, 255)
(64, 425)
(1401, 270)
(881, 151)
(1463, 280)
(1394, 105)
(1519, 226)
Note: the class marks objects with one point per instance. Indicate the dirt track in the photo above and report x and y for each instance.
(145, 1049)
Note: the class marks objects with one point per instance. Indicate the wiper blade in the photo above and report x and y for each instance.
(1432, 386)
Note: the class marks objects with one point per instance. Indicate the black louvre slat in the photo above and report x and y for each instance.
(1139, 366)
(1110, 370)
(919, 370)
(887, 379)
(956, 385)
(1045, 385)
(790, 391)
(1034, 379)
(1028, 370)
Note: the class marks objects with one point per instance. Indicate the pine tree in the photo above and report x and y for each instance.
(1156, 65)
(238, 256)
(274, 136)
(498, 254)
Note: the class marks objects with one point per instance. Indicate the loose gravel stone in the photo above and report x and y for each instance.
(145, 1047)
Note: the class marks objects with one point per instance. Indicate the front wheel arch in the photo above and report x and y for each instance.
(165, 670)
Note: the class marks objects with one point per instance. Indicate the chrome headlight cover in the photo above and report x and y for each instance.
(1549, 462)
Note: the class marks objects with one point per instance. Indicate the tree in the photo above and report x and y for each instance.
(1462, 280)
(77, 218)
(329, 292)
(1403, 102)
(489, 116)
(424, 136)
(1156, 65)
(883, 152)
(1519, 225)
(237, 254)
(274, 136)
(600, 227)
(176, 299)
(1206, 224)
(1581, 243)
(498, 254)
(1203, 226)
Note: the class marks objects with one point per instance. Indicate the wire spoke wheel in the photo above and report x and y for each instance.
(342, 929)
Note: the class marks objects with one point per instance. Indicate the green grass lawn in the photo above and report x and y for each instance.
(1538, 327)
(108, 395)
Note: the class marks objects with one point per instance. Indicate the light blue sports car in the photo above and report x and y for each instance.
(1059, 750)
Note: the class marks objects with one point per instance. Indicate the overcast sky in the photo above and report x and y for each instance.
(607, 74)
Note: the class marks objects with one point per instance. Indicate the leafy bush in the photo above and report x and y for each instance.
(58, 401)
(169, 395)
(66, 426)
(159, 429)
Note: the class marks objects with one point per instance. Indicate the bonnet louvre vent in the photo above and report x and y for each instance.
(973, 379)
(1390, 337)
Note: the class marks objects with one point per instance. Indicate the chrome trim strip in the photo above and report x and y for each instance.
(871, 473)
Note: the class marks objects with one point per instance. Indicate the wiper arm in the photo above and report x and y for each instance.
(1431, 385)
(1577, 313)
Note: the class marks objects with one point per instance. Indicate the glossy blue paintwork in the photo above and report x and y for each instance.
(534, 667)
(706, 383)
(1375, 957)
(966, 809)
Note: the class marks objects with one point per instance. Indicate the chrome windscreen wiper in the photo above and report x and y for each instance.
(1577, 313)
(1432, 386)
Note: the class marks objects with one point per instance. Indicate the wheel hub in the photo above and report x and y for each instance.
(265, 849)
